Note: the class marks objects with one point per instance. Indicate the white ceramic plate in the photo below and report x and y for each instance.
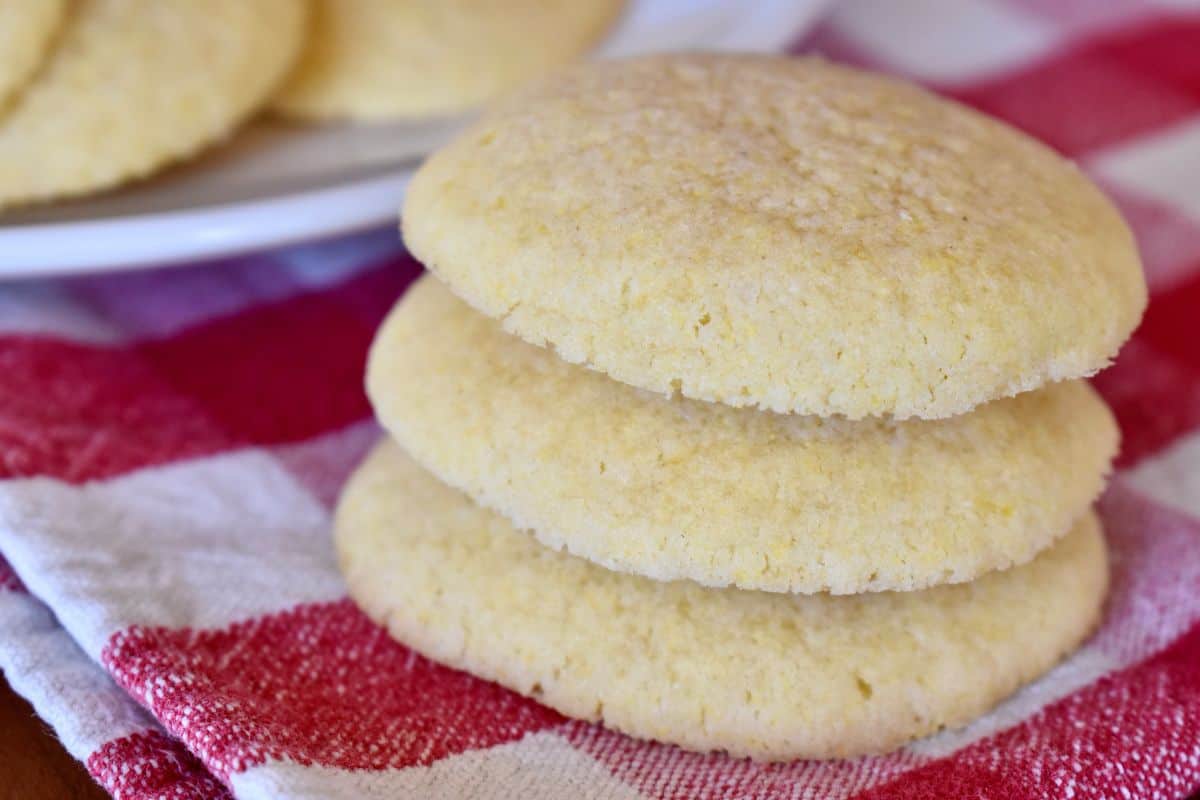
(276, 184)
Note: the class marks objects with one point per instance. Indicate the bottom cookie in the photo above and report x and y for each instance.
(765, 675)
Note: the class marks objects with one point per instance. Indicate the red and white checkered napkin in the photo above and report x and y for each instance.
(171, 443)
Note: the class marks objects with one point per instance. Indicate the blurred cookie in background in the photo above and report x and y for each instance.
(134, 85)
(27, 28)
(413, 59)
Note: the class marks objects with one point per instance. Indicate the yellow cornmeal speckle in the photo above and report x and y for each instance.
(677, 488)
(26, 30)
(135, 84)
(376, 59)
(781, 233)
(771, 676)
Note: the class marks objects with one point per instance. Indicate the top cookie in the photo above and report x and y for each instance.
(779, 233)
(379, 59)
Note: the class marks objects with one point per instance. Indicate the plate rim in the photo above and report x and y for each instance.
(219, 230)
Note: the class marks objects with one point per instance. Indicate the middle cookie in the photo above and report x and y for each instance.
(674, 488)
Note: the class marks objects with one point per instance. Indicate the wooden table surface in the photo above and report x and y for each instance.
(33, 765)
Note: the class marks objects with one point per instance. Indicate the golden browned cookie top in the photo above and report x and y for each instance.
(781, 233)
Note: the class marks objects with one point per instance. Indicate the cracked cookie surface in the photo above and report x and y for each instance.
(780, 233)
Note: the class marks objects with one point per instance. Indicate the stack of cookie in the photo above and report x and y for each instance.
(746, 415)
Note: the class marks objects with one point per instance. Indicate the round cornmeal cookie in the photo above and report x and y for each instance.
(26, 29)
(676, 488)
(133, 85)
(756, 674)
(379, 59)
(780, 233)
